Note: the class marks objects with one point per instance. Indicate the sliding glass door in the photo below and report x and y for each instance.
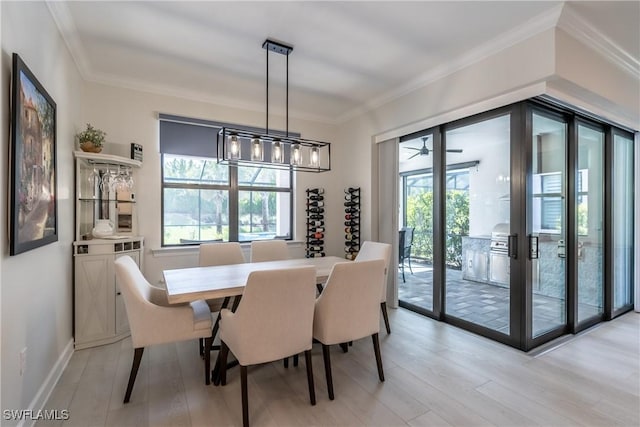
(415, 235)
(521, 222)
(589, 221)
(477, 223)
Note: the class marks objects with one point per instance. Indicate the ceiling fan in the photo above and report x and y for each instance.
(424, 151)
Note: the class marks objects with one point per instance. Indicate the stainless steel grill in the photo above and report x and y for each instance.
(499, 254)
(500, 239)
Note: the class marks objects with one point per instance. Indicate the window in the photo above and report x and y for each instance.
(203, 200)
(548, 206)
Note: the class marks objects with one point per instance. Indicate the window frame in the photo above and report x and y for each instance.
(233, 188)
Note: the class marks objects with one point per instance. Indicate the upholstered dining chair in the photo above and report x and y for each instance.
(348, 309)
(211, 254)
(274, 320)
(375, 250)
(154, 321)
(269, 250)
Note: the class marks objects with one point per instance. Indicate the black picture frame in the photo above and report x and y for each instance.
(34, 198)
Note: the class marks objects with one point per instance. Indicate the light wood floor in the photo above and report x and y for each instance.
(435, 374)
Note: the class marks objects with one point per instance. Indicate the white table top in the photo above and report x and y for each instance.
(190, 284)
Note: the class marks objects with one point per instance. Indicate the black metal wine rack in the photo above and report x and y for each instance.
(351, 222)
(315, 223)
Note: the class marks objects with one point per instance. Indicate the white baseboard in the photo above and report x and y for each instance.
(50, 382)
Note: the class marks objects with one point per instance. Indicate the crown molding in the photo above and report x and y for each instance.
(536, 25)
(578, 27)
(196, 96)
(67, 27)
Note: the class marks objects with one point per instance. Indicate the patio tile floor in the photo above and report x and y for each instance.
(480, 303)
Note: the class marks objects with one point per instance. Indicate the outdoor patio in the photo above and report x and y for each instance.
(481, 303)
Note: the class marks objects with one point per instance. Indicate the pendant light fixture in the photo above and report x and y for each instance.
(273, 149)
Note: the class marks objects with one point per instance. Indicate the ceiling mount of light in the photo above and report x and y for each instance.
(273, 149)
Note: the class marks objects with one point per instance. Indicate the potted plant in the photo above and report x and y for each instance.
(91, 139)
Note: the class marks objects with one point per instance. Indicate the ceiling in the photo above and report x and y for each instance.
(347, 57)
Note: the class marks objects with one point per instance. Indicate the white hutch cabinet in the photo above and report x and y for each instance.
(104, 191)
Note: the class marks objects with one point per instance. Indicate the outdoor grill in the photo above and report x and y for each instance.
(500, 239)
(499, 254)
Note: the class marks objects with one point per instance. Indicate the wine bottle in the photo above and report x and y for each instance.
(316, 223)
(350, 204)
(315, 216)
(318, 198)
(316, 190)
(316, 254)
(319, 230)
(351, 190)
(316, 210)
(351, 210)
(350, 249)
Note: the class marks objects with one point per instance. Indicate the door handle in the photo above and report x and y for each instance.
(512, 246)
(534, 252)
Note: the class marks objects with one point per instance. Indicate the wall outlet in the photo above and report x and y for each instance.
(23, 360)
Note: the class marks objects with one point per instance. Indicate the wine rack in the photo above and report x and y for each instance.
(351, 222)
(315, 223)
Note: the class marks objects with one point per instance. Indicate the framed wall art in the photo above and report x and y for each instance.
(34, 203)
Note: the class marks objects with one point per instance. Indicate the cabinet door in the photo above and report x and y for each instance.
(95, 298)
(122, 322)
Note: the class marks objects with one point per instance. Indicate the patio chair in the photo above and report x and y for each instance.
(404, 252)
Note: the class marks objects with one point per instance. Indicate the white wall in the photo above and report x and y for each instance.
(128, 115)
(36, 291)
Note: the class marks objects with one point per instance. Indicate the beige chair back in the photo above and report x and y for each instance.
(151, 319)
(269, 250)
(275, 316)
(349, 306)
(376, 250)
(226, 253)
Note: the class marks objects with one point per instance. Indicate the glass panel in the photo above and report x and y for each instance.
(622, 220)
(589, 222)
(548, 220)
(262, 177)
(192, 215)
(415, 273)
(264, 215)
(193, 170)
(477, 201)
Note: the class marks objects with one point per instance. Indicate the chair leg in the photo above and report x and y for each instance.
(295, 360)
(207, 360)
(222, 359)
(402, 267)
(201, 346)
(312, 389)
(344, 346)
(245, 396)
(385, 316)
(319, 287)
(410, 269)
(285, 361)
(137, 357)
(236, 301)
(327, 369)
(376, 350)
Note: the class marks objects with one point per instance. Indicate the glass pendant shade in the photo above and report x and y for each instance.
(296, 155)
(233, 147)
(314, 160)
(276, 152)
(257, 150)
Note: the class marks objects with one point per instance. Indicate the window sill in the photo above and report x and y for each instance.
(171, 251)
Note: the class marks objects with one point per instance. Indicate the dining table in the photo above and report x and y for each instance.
(194, 283)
